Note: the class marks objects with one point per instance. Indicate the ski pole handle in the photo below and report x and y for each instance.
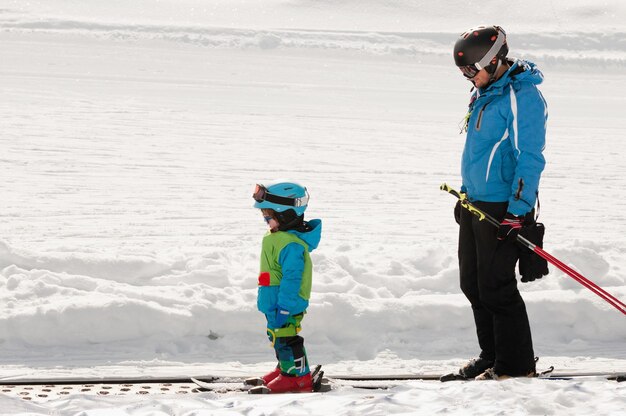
(446, 188)
(467, 205)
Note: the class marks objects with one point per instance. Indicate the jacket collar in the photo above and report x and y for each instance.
(519, 70)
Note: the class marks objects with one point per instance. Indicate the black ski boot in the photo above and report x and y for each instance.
(475, 367)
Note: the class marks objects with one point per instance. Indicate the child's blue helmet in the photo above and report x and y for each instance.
(281, 197)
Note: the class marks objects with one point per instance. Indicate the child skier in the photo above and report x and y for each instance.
(285, 280)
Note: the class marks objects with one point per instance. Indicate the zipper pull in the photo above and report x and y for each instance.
(464, 123)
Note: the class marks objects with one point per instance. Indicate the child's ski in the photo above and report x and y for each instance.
(317, 377)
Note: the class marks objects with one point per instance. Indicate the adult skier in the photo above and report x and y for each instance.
(501, 166)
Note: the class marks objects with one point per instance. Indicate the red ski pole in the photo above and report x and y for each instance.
(612, 300)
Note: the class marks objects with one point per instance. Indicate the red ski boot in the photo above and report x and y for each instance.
(271, 376)
(262, 381)
(286, 384)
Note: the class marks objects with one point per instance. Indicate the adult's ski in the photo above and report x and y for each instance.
(550, 375)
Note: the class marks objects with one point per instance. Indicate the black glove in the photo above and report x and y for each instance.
(510, 226)
(531, 265)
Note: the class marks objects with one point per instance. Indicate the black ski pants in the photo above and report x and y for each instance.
(487, 272)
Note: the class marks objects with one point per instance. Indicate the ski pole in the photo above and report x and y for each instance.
(612, 300)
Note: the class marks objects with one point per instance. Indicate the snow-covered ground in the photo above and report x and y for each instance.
(131, 139)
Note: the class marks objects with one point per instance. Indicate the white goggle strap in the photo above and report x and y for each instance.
(302, 201)
(495, 48)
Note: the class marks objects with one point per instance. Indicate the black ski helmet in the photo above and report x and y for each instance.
(480, 47)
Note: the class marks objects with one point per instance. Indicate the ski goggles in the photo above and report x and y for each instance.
(261, 194)
(469, 71)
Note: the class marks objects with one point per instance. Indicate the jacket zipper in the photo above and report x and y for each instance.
(480, 117)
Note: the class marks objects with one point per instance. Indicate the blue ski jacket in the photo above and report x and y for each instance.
(503, 160)
(286, 270)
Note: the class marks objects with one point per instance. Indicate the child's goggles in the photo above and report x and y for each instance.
(262, 194)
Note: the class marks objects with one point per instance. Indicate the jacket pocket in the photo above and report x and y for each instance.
(267, 298)
(507, 170)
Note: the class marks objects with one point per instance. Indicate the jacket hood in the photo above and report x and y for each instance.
(531, 73)
(311, 238)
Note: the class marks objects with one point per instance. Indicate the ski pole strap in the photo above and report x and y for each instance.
(606, 296)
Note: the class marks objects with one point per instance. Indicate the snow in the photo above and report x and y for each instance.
(133, 135)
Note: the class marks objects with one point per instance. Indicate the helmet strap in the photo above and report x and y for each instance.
(492, 70)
